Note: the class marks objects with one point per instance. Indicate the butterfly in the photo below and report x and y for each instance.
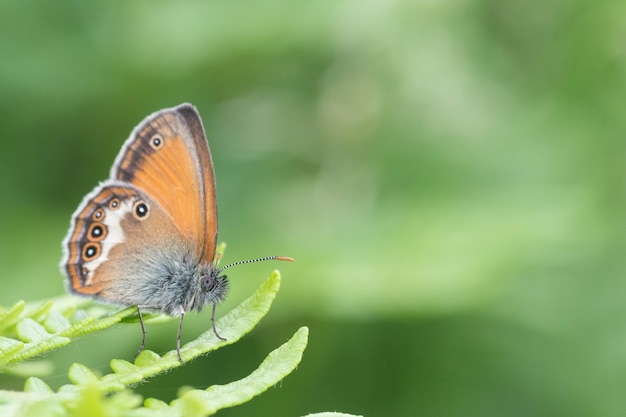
(147, 236)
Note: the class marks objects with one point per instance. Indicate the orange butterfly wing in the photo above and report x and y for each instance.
(168, 157)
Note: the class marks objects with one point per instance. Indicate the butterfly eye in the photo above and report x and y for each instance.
(207, 283)
(91, 251)
(156, 141)
(140, 210)
(98, 214)
(97, 231)
(114, 204)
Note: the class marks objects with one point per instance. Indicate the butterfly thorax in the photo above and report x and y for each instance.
(173, 284)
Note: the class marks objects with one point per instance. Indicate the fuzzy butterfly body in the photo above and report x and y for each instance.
(146, 237)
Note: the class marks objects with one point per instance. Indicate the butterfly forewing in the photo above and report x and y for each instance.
(197, 134)
(168, 157)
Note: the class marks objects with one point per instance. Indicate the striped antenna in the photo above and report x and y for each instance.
(267, 258)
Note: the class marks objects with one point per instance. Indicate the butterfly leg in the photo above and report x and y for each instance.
(180, 329)
(213, 323)
(143, 331)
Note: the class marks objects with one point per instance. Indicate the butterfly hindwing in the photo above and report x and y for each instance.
(115, 247)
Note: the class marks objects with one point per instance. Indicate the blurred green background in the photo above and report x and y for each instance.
(449, 176)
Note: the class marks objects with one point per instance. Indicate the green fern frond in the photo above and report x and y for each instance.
(26, 334)
(277, 365)
(28, 331)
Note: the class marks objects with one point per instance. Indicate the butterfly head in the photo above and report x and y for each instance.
(212, 287)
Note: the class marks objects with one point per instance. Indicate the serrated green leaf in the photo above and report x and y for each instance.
(37, 313)
(108, 321)
(36, 385)
(8, 345)
(56, 322)
(155, 404)
(277, 365)
(28, 330)
(147, 358)
(9, 348)
(49, 326)
(81, 375)
(79, 327)
(120, 366)
(10, 316)
(31, 350)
